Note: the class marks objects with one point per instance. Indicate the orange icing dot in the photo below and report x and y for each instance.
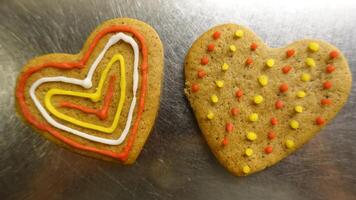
(211, 47)
(327, 85)
(201, 73)
(290, 53)
(229, 127)
(234, 111)
(325, 102)
(268, 149)
(253, 46)
(271, 135)
(216, 35)
(334, 54)
(195, 87)
(225, 141)
(329, 69)
(204, 60)
(286, 69)
(319, 121)
(283, 87)
(274, 121)
(279, 104)
(249, 61)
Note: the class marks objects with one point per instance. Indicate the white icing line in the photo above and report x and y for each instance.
(87, 83)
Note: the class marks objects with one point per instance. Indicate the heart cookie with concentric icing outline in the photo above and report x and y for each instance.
(101, 102)
(255, 104)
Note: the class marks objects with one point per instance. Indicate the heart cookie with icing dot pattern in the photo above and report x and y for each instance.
(101, 102)
(255, 104)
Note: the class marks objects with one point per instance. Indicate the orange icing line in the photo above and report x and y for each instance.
(44, 126)
(101, 113)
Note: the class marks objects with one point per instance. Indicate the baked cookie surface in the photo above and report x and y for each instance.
(101, 102)
(255, 104)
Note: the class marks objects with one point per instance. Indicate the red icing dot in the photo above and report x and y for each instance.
(204, 60)
(249, 61)
(283, 87)
(225, 141)
(327, 85)
(319, 121)
(229, 127)
(216, 35)
(195, 87)
(325, 102)
(268, 149)
(274, 121)
(329, 69)
(239, 93)
(334, 54)
(279, 104)
(234, 111)
(271, 135)
(201, 73)
(211, 47)
(290, 53)
(253, 46)
(286, 69)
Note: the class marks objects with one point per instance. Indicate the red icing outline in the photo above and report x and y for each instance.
(101, 113)
(44, 126)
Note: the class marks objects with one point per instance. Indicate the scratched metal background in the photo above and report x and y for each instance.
(175, 163)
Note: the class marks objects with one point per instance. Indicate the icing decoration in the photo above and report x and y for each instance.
(123, 155)
(325, 102)
(290, 144)
(101, 113)
(268, 149)
(257, 99)
(93, 96)
(201, 73)
(298, 109)
(204, 60)
(263, 80)
(216, 35)
(219, 83)
(225, 141)
(305, 77)
(310, 62)
(294, 124)
(214, 98)
(249, 61)
(239, 33)
(286, 69)
(271, 135)
(320, 121)
(248, 152)
(232, 48)
(210, 115)
(253, 117)
(234, 111)
(283, 87)
(301, 94)
(253, 46)
(195, 87)
(251, 136)
(327, 85)
(334, 54)
(239, 93)
(279, 104)
(290, 53)
(329, 69)
(274, 121)
(270, 62)
(313, 46)
(211, 47)
(246, 169)
(229, 127)
(225, 67)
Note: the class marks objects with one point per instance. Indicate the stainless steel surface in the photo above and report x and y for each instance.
(175, 162)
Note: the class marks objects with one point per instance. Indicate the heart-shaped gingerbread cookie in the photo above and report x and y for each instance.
(254, 104)
(101, 102)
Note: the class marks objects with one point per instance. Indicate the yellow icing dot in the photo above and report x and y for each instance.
(214, 98)
(239, 33)
(298, 109)
(310, 62)
(270, 63)
(294, 124)
(210, 115)
(258, 99)
(251, 136)
(224, 67)
(232, 48)
(248, 152)
(313, 46)
(290, 144)
(253, 117)
(246, 169)
(263, 80)
(301, 94)
(305, 77)
(219, 83)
